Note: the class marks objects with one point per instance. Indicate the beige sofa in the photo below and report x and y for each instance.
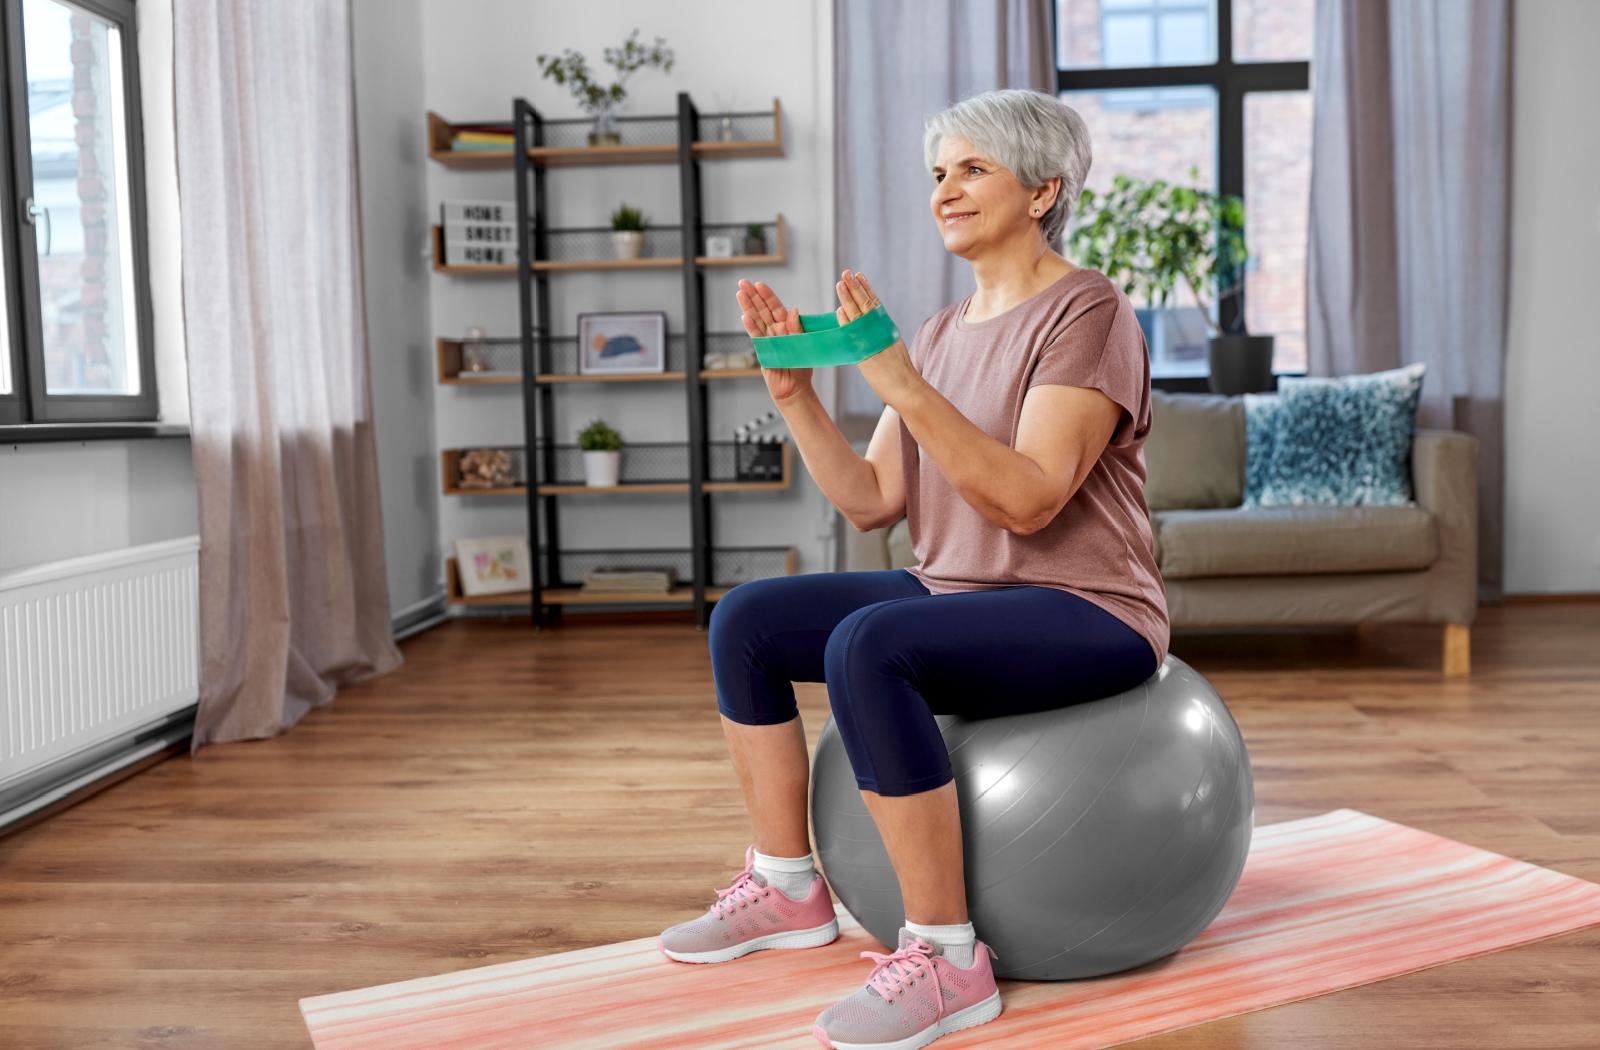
(1228, 567)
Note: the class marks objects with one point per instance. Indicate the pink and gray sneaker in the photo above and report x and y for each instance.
(912, 997)
(750, 916)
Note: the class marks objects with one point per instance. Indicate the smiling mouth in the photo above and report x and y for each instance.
(960, 216)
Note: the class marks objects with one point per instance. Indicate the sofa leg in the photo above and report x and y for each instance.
(1457, 650)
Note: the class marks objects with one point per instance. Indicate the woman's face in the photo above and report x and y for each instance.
(978, 204)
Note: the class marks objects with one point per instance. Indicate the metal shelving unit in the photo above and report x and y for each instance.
(542, 364)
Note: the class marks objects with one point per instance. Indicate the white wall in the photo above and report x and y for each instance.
(1553, 351)
(393, 150)
(68, 499)
(477, 56)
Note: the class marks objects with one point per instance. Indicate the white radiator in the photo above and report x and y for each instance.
(94, 647)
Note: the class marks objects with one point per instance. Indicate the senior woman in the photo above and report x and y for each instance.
(1011, 439)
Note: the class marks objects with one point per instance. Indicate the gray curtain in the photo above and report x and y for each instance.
(896, 63)
(292, 591)
(1410, 207)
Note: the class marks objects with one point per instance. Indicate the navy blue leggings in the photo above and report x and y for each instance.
(894, 656)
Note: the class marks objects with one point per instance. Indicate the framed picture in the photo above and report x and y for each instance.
(622, 343)
(493, 565)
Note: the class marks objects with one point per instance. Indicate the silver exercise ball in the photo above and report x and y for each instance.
(1098, 837)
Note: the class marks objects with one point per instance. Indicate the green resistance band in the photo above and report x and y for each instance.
(823, 341)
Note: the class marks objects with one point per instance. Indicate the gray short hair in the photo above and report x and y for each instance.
(1035, 135)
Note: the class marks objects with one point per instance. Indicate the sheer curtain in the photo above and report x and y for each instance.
(1410, 208)
(896, 63)
(292, 591)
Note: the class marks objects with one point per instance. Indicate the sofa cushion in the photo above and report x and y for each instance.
(1293, 541)
(1344, 441)
(1194, 456)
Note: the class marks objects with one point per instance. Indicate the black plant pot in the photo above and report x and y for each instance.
(1241, 364)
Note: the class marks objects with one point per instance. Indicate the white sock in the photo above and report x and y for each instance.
(791, 875)
(959, 942)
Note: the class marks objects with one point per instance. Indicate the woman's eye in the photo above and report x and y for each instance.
(974, 170)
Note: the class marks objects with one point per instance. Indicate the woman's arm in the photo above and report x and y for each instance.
(868, 491)
(1061, 433)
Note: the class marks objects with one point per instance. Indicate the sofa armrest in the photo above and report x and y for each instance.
(1444, 478)
(865, 551)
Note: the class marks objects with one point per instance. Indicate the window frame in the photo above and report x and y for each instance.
(1232, 82)
(30, 401)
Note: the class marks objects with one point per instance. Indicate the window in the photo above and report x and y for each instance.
(76, 309)
(1220, 87)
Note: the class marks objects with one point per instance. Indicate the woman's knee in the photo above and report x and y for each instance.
(741, 616)
(864, 648)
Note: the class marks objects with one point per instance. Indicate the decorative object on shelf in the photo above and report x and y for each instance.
(486, 468)
(622, 343)
(759, 457)
(719, 246)
(738, 359)
(1148, 235)
(725, 106)
(493, 565)
(474, 350)
(481, 137)
(602, 455)
(630, 581)
(479, 233)
(755, 239)
(572, 70)
(627, 232)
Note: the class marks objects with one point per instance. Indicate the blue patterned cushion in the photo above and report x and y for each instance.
(1335, 442)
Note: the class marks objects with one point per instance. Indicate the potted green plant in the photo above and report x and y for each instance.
(571, 69)
(627, 232)
(602, 455)
(755, 239)
(1147, 236)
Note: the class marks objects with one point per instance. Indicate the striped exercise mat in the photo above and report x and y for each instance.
(1325, 903)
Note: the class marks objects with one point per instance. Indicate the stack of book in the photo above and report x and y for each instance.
(471, 137)
(479, 233)
(629, 581)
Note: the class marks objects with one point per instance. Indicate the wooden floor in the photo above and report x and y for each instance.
(505, 795)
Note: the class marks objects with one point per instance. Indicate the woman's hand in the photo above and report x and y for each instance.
(765, 314)
(890, 372)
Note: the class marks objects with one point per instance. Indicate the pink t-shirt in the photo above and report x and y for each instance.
(1081, 331)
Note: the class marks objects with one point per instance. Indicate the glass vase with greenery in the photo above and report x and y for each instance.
(571, 69)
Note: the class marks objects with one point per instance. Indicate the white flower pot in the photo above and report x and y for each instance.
(600, 469)
(628, 243)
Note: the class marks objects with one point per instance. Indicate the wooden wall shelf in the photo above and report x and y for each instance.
(681, 594)
(450, 471)
(450, 374)
(441, 132)
(467, 379)
(779, 258)
(640, 377)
